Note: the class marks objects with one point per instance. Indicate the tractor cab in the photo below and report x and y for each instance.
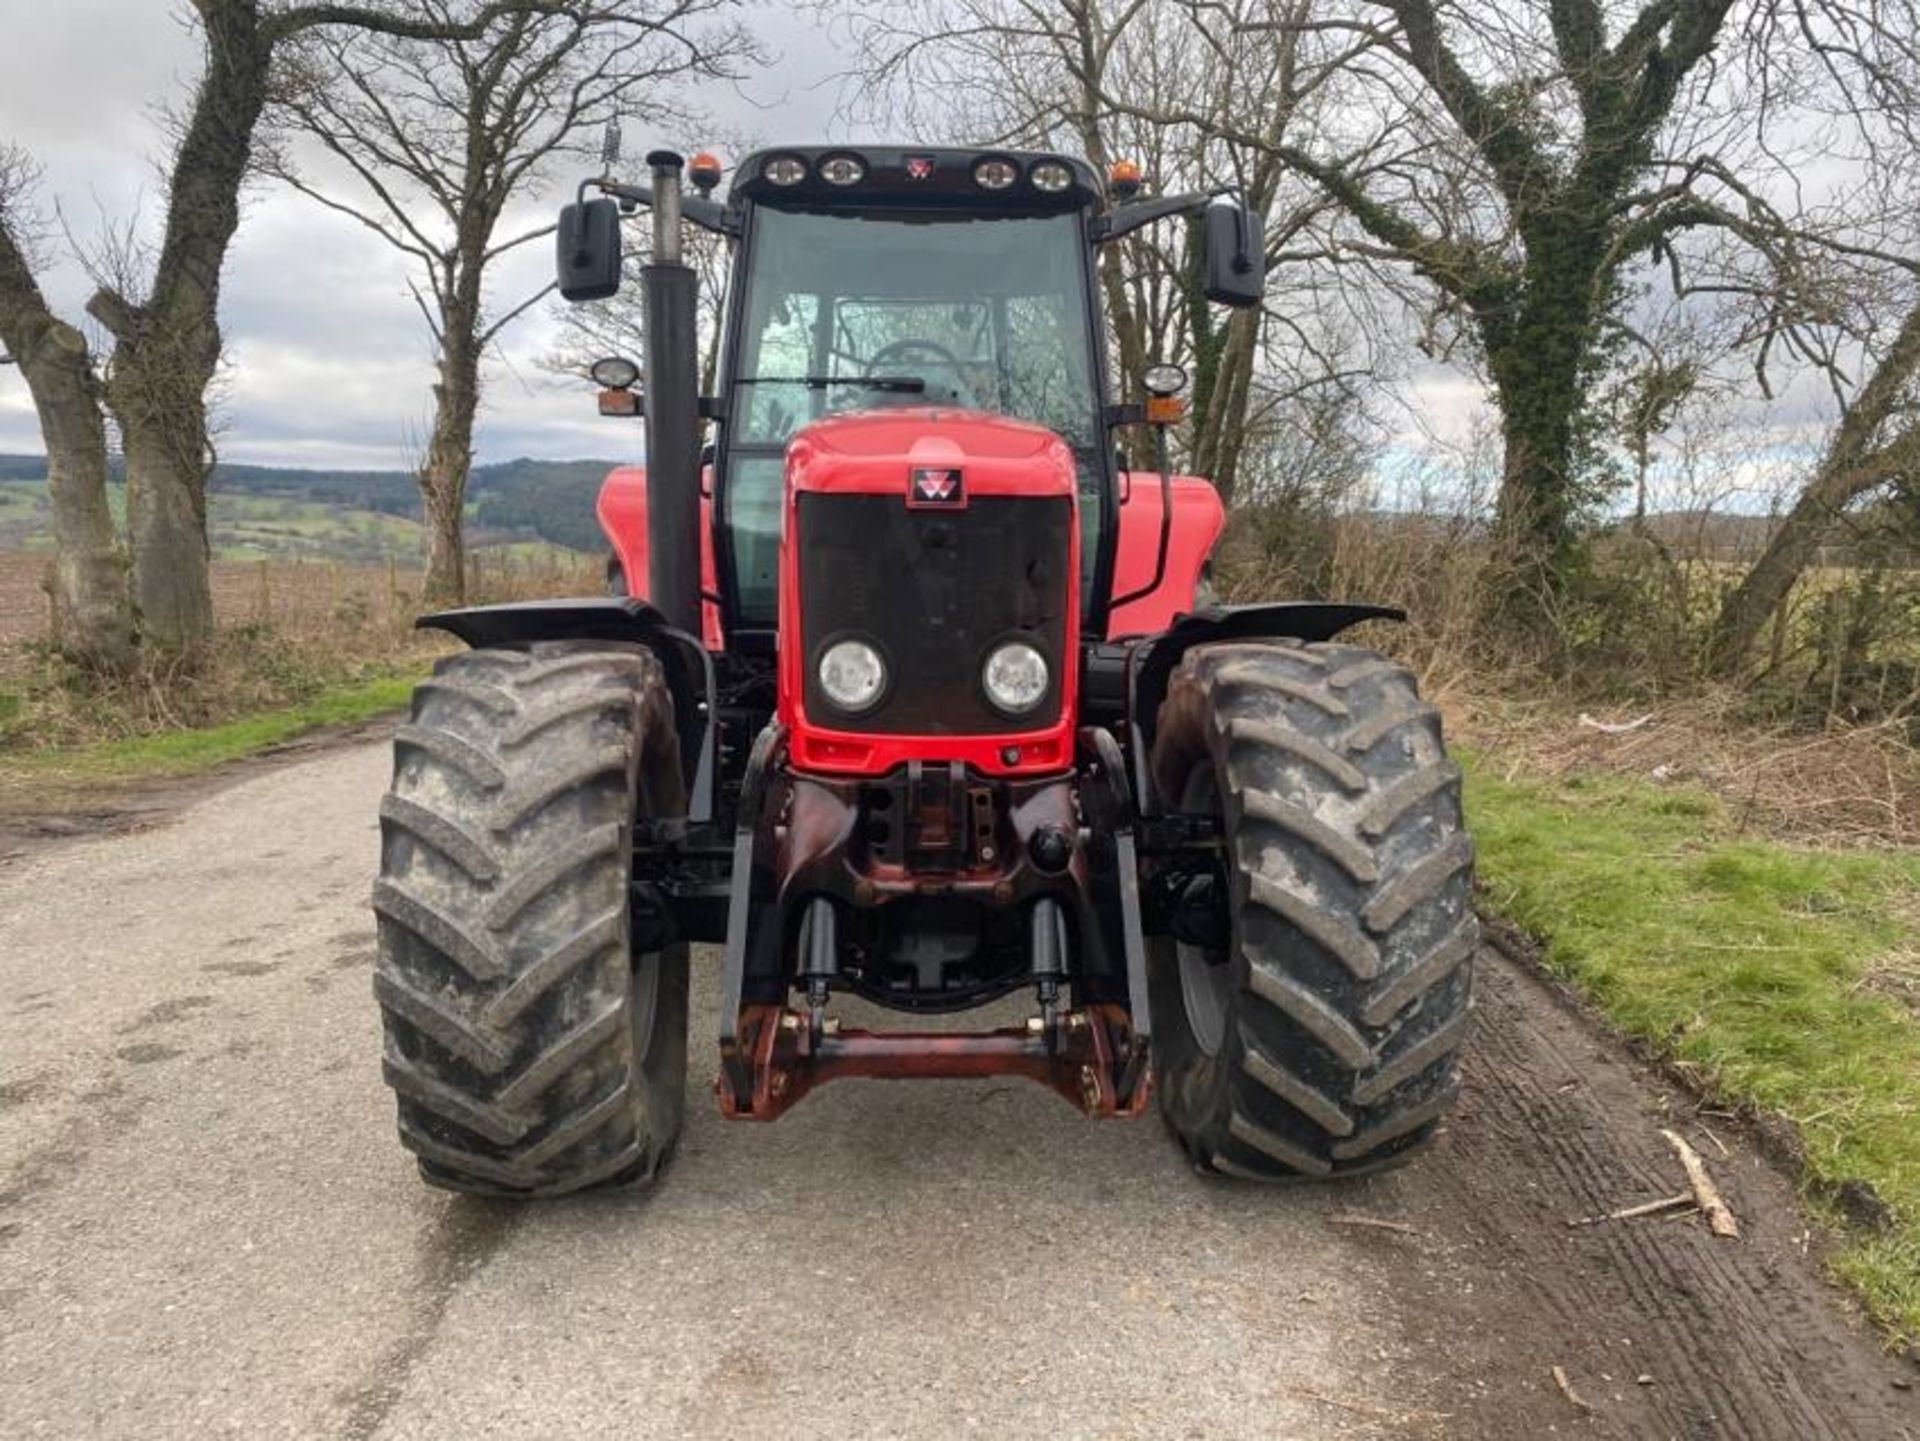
(928, 281)
(914, 281)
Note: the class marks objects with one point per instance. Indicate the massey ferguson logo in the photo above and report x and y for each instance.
(937, 488)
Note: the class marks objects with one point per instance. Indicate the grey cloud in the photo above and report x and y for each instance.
(329, 362)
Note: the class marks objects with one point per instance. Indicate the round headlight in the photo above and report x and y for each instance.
(852, 675)
(1164, 380)
(1050, 176)
(995, 174)
(616, 372)
(785, 170)
(842, 170)
(1015, 677)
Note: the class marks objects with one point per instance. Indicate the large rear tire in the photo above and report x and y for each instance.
(1321, 1040)
(531, 1053)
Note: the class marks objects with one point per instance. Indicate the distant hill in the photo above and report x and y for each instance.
(349, 514)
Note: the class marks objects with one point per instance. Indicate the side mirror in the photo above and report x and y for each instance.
(1236, 257)
(587, 250)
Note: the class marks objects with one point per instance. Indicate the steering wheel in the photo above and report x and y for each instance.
(903, 350)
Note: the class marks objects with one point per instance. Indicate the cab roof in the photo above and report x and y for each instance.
(915, 177)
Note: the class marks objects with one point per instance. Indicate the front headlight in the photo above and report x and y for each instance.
(852, 675)
(1015, 677)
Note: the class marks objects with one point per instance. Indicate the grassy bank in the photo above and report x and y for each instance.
(55, 780)
(297, 647)
(185, 752)
(1782, 979)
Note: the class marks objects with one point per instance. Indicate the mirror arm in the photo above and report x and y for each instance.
(709, 215)
(1126, 219)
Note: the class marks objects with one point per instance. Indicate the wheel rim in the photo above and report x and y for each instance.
(1206, 982)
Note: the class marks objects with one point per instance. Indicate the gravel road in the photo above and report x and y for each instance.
(207, 1228)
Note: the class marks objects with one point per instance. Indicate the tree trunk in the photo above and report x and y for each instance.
(1532, 522)
(1220, 414)
(443, 477)
(1129, 350)
(1764, 588)
(1538, 358)
(167, 347)
(92, 617)
(158, 397)
(1850, 468)
(93, 613)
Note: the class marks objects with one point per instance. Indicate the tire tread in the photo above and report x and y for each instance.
(1350, 872)
(503, 975)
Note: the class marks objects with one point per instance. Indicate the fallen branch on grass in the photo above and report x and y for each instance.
(1719, 1218)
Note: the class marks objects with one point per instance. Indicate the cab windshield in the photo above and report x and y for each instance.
(858, 312)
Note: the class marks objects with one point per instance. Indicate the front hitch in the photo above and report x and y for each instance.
(1084, 1058)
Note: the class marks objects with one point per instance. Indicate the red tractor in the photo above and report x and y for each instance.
(912, 693)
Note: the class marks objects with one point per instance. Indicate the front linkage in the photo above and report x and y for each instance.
(1059, 853)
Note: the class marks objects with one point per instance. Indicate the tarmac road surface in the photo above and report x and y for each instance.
(207, 1227)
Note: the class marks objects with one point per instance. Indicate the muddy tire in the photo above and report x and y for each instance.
(1320, 1039)
(531, 1053)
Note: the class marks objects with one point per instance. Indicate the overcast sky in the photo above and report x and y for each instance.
(328, 360)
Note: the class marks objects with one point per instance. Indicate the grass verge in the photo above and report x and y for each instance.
(1781, 979)
(60, 779)
(185, 752)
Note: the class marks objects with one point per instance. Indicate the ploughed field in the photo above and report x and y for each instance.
(206, 1227)
(292, 595)
(307, 597)
(23, 601)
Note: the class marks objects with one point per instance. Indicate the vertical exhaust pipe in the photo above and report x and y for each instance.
(670, 291)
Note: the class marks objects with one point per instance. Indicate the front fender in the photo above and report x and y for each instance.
(683, 660)
(1150, 666)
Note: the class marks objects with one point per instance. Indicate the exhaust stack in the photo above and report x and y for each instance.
(670, 291)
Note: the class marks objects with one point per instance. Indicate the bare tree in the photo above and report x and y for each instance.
(436, 142)
(1526, 162)
(616, 326)
(1500, 167)
(166, 334)
(94, 616)
(1117, 80)
(1874, 448)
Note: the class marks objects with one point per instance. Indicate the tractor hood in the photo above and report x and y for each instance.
(931, 458)
(932, 540)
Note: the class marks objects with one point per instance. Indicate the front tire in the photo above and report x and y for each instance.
(529, 1051)
(1320, 1039)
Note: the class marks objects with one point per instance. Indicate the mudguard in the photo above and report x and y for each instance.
(1150, 665)
(685, 662)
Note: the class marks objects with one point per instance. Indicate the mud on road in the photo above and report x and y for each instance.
(207, 1228)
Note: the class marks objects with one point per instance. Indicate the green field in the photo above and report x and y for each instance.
(187, 752)
(251, 527)
(242, 527)
(248, 527)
